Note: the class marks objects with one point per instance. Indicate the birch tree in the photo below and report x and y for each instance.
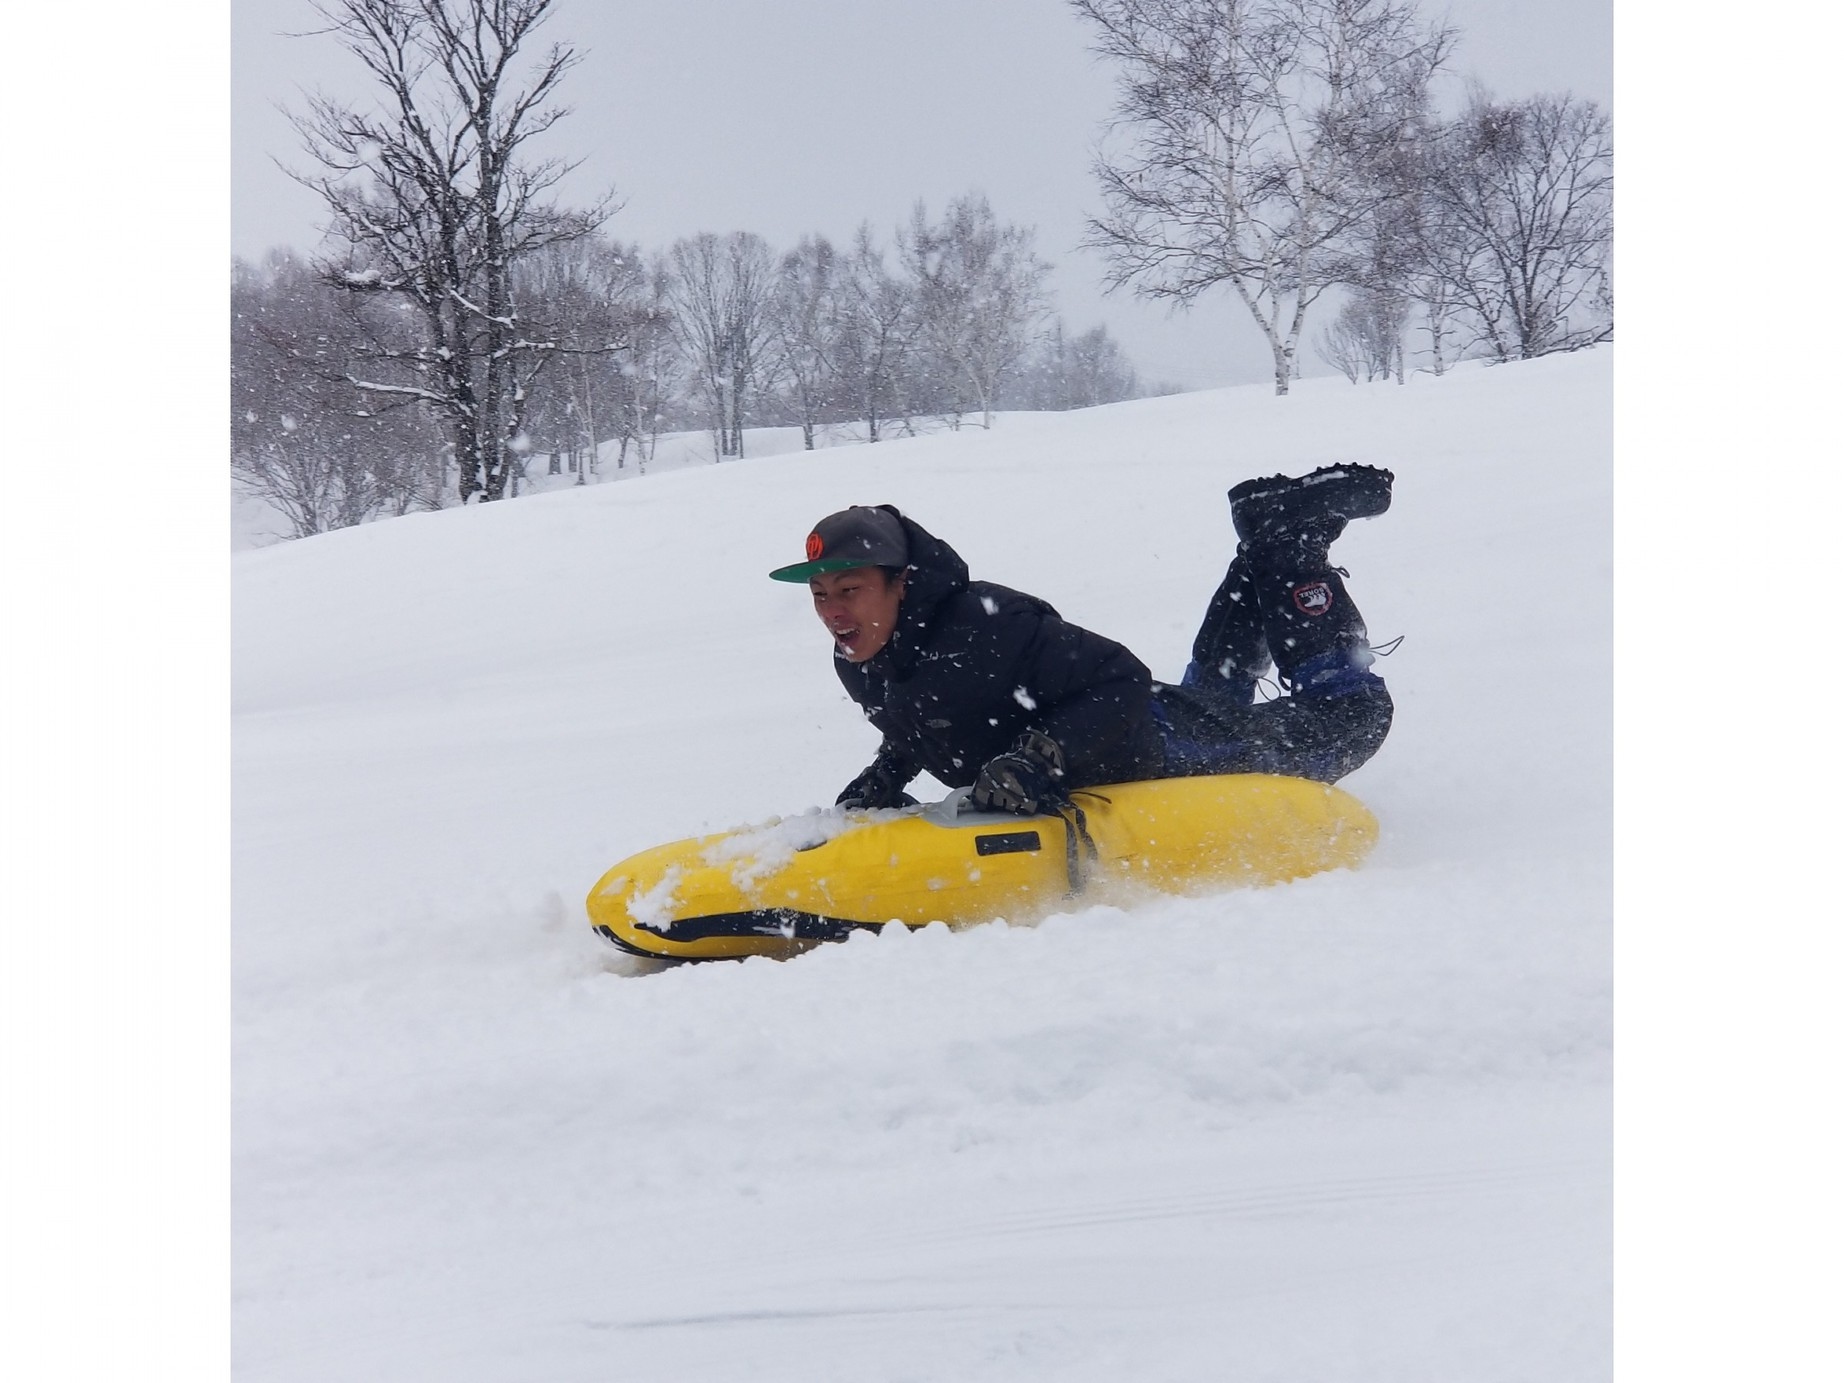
(592, 293)
(1099, 371)
(287, 443)
(302, 439)
(1250, 128)
(655, 366)
(723, 291)
(979, 293)
(874, 335)
(805, 313)
(1366, 337)
(1079, 371)
(1519, 233)
(434, 199)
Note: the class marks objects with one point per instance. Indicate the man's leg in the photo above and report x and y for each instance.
(1313, 629)
(1339, 711)
(1230, 653)
(1306, 735)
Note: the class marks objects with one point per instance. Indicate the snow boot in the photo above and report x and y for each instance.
(1338, 711)
(1277, 507)
(1314, 633)
(1230, 653)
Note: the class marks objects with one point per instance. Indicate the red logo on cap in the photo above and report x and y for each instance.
(814, 547)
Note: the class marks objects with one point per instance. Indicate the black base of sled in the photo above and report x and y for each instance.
(780, 922)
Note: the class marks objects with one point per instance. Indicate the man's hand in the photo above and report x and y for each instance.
(1024, 780)
(878, 786)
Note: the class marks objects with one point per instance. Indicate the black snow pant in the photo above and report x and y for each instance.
(1283, 605)
(1306, 735)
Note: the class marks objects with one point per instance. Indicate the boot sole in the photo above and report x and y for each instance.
(1343, 493)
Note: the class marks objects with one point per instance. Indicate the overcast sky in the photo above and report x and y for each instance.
(813, 115)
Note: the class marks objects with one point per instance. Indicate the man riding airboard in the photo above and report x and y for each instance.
(989, 688)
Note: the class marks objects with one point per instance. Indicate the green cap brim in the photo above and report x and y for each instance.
(801, 571)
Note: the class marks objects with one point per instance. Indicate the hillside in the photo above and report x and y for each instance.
(1355, 1128)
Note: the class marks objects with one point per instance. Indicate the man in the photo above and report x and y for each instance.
(988, 688)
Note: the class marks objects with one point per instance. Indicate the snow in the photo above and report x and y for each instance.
(1358, 1127)
(755, 852)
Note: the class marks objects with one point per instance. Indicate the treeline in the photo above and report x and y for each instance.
(1503, 251)
(334, 420)
(1281, 150)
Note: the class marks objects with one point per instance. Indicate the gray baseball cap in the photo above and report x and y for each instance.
(862, 536)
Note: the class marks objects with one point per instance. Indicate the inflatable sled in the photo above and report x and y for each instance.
(783, 887)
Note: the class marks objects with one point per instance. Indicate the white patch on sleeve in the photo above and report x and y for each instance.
(1023, 698)
(989, 605)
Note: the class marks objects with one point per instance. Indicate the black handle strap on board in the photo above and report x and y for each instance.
(1075, 828)
(1079, 846)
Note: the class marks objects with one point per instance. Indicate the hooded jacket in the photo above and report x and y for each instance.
(972, 665)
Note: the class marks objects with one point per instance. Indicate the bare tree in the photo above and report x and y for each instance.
(593, 294)
(1255, 125)
(1435, 297)
(1045, 382)
(803, 319)
(286, 447)
(434, 201)
(303, 439)
(723, 294)
(1099, 370)
(979, 291)
(1519, 233)
(873, 334)
(1366, 338)
(1075, 372)
(652, 373)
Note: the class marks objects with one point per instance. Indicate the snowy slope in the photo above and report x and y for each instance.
(1353, 1128)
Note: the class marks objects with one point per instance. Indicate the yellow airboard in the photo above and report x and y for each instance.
(781, 888)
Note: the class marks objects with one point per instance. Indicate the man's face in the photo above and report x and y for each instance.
(858, 607)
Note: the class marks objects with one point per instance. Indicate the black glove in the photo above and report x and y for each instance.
(880, 785)
(1024, 780)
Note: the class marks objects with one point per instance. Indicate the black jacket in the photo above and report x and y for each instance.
(971, 666)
